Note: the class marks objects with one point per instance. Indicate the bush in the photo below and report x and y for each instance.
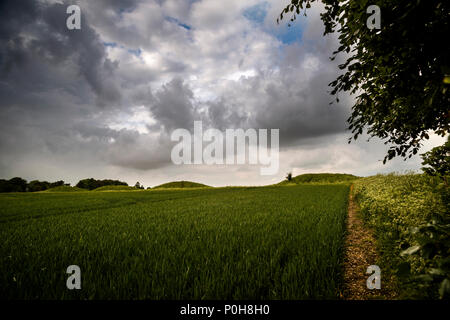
(13, 185)
(397, 206)
(437, 162)
(91, 184)
(289, 176)
(20, 185)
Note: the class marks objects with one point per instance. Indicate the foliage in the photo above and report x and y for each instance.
(13, 185)
(37, 185)
(91, 184)
(433, 237)
(289, 177)
(209, 243)
(399, 208)
(20, 185)
(438, 162)
(433, 245)
(399, 73)
(139, 186)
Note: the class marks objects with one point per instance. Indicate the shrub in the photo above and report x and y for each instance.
(397, 206)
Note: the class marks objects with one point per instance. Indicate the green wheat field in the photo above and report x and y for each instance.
(276, 242)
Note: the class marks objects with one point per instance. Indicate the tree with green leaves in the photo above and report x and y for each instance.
(289, 176)
(436, 162)
(399, 74)
(36, 185)
(16, 184)
(91, 183)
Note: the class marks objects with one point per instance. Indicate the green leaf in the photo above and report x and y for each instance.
(410, 251)
(424, 278)
(444, 289)
(436, 272)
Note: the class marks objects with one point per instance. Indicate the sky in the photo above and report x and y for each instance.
(103, 101)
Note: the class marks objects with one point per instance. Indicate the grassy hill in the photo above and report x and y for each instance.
(182, 184)
(65, 189)
(320, 178)
(116, 188)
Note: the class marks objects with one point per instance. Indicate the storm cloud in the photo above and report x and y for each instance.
(102, 101)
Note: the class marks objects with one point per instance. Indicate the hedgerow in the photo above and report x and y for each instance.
(401, 209)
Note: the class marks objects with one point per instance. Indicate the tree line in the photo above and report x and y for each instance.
(18, 184)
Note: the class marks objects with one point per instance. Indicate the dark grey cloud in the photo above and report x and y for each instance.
(52, 83)
(295, 99)
(301, 109)
(173, 106)
(54, 80)
(104, 100)
(35, 33)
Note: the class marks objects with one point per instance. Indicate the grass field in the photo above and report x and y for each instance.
(115, 188)
(64, 189)
(214, 243)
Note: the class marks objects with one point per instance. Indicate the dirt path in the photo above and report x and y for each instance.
(360, 252)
